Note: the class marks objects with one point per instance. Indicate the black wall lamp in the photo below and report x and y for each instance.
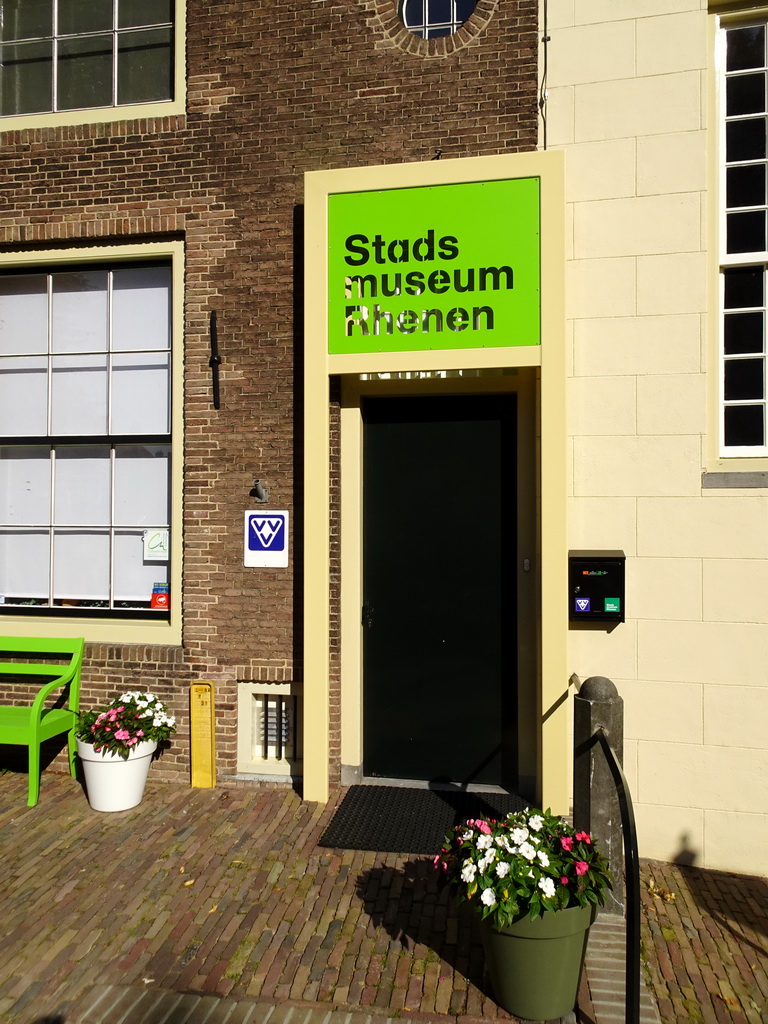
(215, 361)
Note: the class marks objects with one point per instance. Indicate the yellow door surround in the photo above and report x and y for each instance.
(546, 359)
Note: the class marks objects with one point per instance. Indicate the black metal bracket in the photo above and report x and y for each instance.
(215, 361)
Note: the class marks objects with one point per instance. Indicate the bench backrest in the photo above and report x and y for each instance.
(34, 650)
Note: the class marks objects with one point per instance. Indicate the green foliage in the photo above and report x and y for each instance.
(125, 722)
(530, 863)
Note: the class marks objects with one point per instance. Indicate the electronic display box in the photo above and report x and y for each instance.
(596, 586)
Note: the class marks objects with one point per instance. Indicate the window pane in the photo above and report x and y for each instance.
(438, 10)
(743, 287)
(144, 66)
(24, 561)
(80, 566)
(84, 16)
(80, 312)
(25, 78)
(745, 186)
(141, 308)
(745, 140)
(746, 232)
(82, 487)
(26, 19)
(434, 33)
(140, 393)
(743, 379)
(745, 94)
(743, 333)
(85, 73)
(142, 485)
(79, 395)
(744, 425)
(135, 578)
(464, 8)
(25, 486)
(746, 48)
(23, 313)
(413, 12)
(132, 13)
(24, 396)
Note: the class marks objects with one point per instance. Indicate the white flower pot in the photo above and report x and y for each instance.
(114, 784)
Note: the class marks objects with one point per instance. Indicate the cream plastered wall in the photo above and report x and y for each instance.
(631, 99)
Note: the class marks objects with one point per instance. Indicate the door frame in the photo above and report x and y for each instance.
(551, 786)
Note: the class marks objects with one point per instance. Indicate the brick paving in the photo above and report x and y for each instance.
(706, 949)
(200, 896)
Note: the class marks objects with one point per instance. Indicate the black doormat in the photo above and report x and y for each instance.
(393, 819)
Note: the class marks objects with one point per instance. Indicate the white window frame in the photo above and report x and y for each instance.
(124, 112)
(108, 629)
(758, 259)
(424, 28)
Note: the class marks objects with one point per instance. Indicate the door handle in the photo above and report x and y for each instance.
(367, 615)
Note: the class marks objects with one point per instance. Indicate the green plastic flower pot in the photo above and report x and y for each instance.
(535, 966)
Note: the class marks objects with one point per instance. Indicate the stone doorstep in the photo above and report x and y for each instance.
(120, 1004)
(605, 968)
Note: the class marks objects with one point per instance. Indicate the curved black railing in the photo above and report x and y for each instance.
(631, 876)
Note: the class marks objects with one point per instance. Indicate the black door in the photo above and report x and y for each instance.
(439, 618)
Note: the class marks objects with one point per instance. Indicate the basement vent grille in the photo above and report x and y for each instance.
(268, 729)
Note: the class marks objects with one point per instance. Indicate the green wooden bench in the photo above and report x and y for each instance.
(23, 660)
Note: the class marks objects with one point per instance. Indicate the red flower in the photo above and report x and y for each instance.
(584, 837)
(566, 842)
(581, 867)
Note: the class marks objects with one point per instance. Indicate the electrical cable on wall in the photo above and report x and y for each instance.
(543, 87)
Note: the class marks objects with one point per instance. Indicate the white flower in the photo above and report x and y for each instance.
(484, 842)
(519, 835)
(543, 859)
(488, 897)
(536, 822)
(502, 869)
(527, 851)
(468, 872)
(467, 836)
(547, 886)
(485, 862)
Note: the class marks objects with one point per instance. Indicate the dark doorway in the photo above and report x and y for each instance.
(439, 618)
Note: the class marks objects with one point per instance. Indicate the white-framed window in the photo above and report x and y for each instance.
(86, 439)
(743, 60)
(61, 56)
(432, 18)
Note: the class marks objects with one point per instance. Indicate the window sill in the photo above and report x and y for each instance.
(94, 115)
(734, 480)
(101, 631)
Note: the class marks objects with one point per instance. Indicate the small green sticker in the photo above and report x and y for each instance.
(613, 604)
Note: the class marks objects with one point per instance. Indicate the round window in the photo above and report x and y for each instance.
(432, 18)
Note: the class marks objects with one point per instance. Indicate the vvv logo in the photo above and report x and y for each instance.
(269, 532)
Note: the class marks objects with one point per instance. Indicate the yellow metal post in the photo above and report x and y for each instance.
(202, 736)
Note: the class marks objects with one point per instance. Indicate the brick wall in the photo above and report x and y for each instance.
(274, 90)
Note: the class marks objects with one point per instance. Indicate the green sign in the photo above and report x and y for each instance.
(435, 267)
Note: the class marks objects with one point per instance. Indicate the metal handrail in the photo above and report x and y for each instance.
(632, 878)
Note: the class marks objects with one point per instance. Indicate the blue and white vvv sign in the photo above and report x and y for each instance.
(266, 540)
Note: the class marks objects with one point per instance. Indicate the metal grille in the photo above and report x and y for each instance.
(275, 732)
